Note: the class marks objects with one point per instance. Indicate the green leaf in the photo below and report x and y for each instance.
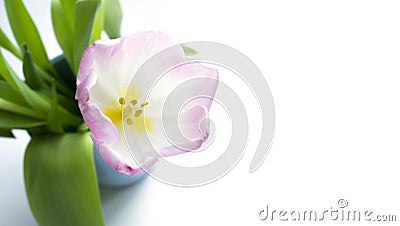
(69, 113)
(10, 120)
(32, 98)
(62, 29)
(39, 103)
(60, 180)
(85, 14)
(19, 109)
(60, 85)
(8, 45)
(6, 133)
(32, 77)
(8, 93)
(69, 12)
(66, 103)
(112, 18)
(98, 23)
(188, 51)
(25, 31)
(54, 123)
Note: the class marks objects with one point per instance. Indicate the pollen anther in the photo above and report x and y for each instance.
(138, 113)
(129, 121)
(134, 102)
(121, 101)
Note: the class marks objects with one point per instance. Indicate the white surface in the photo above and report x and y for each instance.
(333, 68)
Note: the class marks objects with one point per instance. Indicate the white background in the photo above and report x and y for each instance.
(334, 71)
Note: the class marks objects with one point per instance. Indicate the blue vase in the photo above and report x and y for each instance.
(107, 176)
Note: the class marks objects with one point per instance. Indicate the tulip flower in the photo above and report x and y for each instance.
(115, 110)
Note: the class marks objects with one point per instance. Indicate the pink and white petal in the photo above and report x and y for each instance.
(157, 145)
(194, 123)
(101, 126)
(119, 162)
(114, 62)
(207, 82)
(88, 78)
(170, 136)
(194, 78)
(112, 158)
(192, 127)
(84, 86)
(85, 65)
(117, 62)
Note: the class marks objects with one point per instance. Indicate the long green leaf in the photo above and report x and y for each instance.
(60, 180)
(54, 123)
(98, 23)
(19, 109)
(25, 31)
(39, 103)
(67, 112)
(62, 29)
(32, 77)
(13, 121)
(69, 12)
(32, 98)
(85, 14)
(8, 45)
(112, 18)
(8, 93)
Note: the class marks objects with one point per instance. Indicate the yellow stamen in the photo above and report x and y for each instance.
(121, 101)
(138, 113)
(134, 102)
(129, 121)
(144, 104)
(129, 112)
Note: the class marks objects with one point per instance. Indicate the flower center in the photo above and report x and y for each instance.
(131, 109)
(129, 113)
